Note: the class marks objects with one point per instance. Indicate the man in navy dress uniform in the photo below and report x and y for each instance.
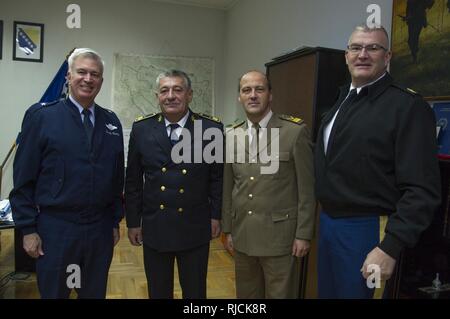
(68, 184)
(174, 209)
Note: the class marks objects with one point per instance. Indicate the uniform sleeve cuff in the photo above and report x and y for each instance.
(28, 230)
(391, 246)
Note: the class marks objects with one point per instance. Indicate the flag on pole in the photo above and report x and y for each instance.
(58, 87)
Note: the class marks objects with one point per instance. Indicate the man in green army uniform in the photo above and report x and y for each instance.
(268, 219)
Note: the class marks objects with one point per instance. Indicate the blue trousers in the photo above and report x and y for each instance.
(87, 246)
(343, 246)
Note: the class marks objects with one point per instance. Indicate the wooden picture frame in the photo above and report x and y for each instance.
(420, 43)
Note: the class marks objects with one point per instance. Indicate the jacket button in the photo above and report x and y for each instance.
(181, 191)
(60, 180)
(250, 212)
(164, 169)
(250, 196)
(252, 178)
(161, 206)
(180, 210)
(163, 188)
(184, 172)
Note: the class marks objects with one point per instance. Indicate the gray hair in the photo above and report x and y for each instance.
(175, 74)
(85, 53)
(365, 28)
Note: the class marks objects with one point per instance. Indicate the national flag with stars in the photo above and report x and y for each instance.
(58, 87)
(26, 44)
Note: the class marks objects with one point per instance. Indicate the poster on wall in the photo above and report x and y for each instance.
(421, 46)
(28, 42)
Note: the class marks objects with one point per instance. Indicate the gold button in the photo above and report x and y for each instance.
(164, 169)
(250, 212)
(184, 172)
(252, 178)
(180, 210)
(161, 206)
(287, 215)
(163, 188)
(181, 191)
(250, 196)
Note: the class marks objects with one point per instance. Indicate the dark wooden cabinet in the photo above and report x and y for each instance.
(305, 83)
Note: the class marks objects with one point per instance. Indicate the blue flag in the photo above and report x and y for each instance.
(58, 87)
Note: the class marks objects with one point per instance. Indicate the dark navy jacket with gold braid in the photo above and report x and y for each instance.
(383, 161)
(174, 202)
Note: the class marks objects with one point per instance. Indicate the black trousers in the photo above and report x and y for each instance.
(192, 269)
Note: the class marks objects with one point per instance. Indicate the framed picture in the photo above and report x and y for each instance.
(28, 42)
(1, 38)
(420, 46)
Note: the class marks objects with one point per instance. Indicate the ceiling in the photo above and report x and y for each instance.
(214, 4)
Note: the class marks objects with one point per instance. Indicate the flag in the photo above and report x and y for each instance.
(58, 87)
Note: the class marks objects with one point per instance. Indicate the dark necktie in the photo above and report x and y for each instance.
(340, 116)
(254, 145)
(172, 135)
(88, 127)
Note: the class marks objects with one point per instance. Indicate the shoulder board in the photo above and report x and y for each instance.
(290, 118)
(405, 89)
(209, 117)
(49, 103)
(238, 124)
(144, 117)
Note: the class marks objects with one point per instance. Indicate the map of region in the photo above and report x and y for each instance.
(134, 84)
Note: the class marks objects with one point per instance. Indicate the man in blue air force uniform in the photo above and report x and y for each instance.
(68, 184)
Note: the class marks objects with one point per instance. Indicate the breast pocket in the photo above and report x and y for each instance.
(284, 163)
(58, 178)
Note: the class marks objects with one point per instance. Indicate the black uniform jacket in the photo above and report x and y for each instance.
(382, 161)
(174, 203)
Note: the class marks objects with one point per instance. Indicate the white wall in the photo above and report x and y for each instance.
(259, 30)
(132, 26)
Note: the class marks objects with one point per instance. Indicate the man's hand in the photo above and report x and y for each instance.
(215, 228)
(383, 260)
(300, 247)
(229, 243)
(116, 235)
(32, 244)
(135, 236)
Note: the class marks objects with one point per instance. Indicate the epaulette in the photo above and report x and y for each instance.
(209, 117)
(405, 89)
(290, 118)
(49, 103)
(238, 124)
(144, 117)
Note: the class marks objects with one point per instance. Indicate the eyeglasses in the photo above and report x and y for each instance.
(370, 48)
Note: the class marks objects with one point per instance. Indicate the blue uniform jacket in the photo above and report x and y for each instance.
(55, 172)
(174, 203)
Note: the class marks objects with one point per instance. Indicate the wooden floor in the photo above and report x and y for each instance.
(126, 276)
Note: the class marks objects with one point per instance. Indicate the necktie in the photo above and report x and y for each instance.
(172, 135)
(88, 127)
(255, 139)
(340, 116)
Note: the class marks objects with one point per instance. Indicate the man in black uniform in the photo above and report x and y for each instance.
(377, 174)
(174, 209)
(68, 184)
